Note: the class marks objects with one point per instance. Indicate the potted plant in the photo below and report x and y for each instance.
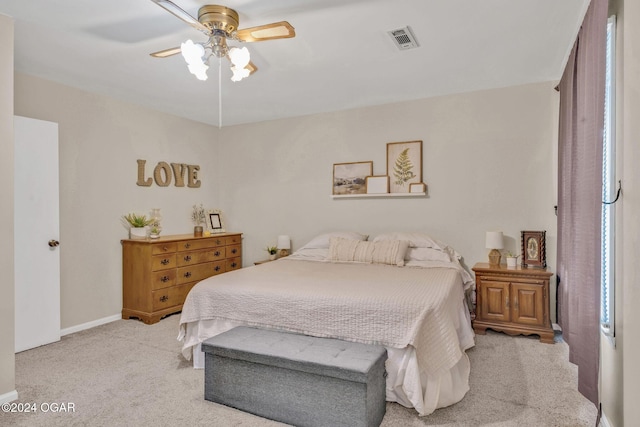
(272, 251)
(198, 217)
(512, 259)
(137, 225)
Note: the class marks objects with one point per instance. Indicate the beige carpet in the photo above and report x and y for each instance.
(127, 373)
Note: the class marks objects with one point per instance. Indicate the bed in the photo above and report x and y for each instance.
(405, 291)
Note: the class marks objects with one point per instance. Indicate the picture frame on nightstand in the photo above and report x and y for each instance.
(534, 249)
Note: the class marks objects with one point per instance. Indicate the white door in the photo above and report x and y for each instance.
(36, 233)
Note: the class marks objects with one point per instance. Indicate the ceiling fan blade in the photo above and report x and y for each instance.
(166, 52)
(276, 30)
(172, 8)
(251, 67)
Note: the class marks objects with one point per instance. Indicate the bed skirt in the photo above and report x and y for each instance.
(406, 385)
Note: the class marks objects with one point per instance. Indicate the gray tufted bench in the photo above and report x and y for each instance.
(296, 379)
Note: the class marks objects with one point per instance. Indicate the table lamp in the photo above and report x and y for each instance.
(494, 241)
(284, 244)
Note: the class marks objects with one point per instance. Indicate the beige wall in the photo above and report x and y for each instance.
(7, 360)
(100, 140)
(488, 159)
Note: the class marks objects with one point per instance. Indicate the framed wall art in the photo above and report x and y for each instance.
(404, 165)
(534, 249)
(377, 184)
(215, 223)
(350, 178)
(417, 187)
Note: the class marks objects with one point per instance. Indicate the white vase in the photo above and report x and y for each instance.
(512, 261)
(272, 256)
(138, 233)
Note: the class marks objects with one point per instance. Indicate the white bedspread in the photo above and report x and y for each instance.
(398, 307)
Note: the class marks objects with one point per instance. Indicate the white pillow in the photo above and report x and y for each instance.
(426, 254)
(416, 240)
(322, 241)
(390, 252)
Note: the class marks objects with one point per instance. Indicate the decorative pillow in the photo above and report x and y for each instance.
(426, 254)
(348, 250)
(322, 241)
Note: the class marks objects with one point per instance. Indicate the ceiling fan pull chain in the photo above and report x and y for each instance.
(219, 93)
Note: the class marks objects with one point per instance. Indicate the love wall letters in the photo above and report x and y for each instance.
(163, 174)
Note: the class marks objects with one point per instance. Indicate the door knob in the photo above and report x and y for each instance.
(53, 243)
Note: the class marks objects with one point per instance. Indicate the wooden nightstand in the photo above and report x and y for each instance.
(513, 300)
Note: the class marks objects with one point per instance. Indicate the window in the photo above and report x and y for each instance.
(607, 309)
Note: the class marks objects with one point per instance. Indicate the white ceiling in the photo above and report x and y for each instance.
(341, 57)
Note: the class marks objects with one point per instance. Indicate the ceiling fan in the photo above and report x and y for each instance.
(220, 24)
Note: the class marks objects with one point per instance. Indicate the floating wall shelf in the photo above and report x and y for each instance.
(377, 196)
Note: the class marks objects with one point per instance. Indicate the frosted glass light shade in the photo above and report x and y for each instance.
(494, 240)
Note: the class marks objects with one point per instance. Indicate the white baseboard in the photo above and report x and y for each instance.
(8, 397)
(89, 325)
(604, 422)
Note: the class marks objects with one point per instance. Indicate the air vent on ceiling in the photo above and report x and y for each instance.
(403, 38)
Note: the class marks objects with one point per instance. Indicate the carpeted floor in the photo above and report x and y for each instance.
(127, 373)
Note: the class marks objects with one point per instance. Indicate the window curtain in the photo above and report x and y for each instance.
(582, 90)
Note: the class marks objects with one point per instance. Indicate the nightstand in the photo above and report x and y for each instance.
(513, 300)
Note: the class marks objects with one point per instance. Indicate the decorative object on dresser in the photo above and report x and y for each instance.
(199, 219)
(512, 259)
(137, 225)
(513, 300)
(494, 241)
(284, 245)
(155, 228)
(216, 222)
(534, 252)
(157, 274)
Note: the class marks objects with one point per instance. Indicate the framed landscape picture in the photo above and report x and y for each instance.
(404, 165)
(351, 178)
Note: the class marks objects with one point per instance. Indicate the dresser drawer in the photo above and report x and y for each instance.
(234, 251)
(233, 264)
(196, 244)
(163, 262)
(163, 279)
(195, 273)
(234, 240)
(163, 248)
(198, 257)
(170, 297)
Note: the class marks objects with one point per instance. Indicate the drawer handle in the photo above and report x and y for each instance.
(216, 268)
(234, 251)
(187, 258)
(164, 279)
(216, 253)
(164, 248)
(218, 242)
(187, 274)
(187, 245)
(165, 261)
(163, 298)
(233, 265)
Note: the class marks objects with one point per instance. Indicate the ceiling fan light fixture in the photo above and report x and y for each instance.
(239, 73)
(239, 57)
(193, 54)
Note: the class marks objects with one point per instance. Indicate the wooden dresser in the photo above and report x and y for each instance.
(157, 274)
(514, 300)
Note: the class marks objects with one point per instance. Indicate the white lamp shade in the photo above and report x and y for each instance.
(239, 57)
(284, 242)
(494, 240)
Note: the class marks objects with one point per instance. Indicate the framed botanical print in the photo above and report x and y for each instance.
(534, 249)
(404, 165)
